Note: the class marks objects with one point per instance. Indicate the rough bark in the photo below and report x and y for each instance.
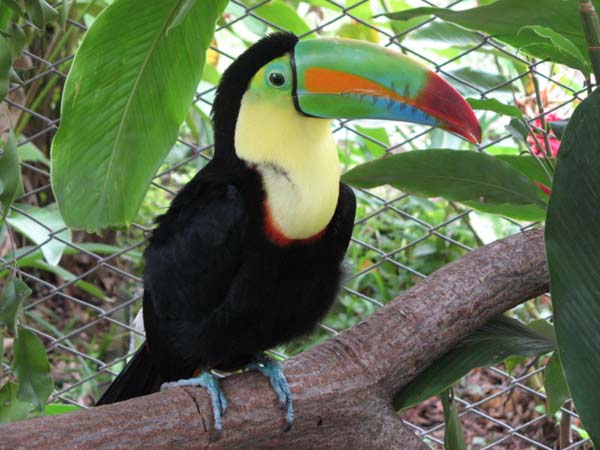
(342, 389)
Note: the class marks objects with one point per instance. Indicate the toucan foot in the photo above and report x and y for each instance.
(211, 383)
(273, 370)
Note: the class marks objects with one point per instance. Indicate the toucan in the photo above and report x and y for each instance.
(248, 256)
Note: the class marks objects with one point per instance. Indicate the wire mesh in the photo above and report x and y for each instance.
(84, 309)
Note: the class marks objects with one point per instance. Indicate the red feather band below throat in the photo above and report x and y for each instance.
(278, 237)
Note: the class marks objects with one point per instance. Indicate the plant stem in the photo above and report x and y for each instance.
(591, 27)
(468, 223)
(565, 428)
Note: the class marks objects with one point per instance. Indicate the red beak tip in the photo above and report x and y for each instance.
(475, 138)
(470, 133)
(471, 129)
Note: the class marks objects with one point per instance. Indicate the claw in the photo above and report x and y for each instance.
(211, 383)
(273, 370)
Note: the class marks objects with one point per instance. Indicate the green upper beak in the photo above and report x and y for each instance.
(341, 78)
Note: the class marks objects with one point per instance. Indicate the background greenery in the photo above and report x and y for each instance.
(75, 294)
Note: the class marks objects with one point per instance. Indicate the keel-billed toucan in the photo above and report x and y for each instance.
(248, 255)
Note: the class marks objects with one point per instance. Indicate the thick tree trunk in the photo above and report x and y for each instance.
(342, 389)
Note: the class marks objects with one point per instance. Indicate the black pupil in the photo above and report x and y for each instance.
(277, 79)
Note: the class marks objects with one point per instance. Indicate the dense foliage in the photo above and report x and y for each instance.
(128, 138)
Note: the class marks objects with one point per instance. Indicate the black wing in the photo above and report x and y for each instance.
(191, 260)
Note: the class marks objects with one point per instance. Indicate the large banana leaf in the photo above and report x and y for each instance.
(546, 29)
(475, 179)
(573, 251)
(126, 95)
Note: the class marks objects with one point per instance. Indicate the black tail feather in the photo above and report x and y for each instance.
(140, 377)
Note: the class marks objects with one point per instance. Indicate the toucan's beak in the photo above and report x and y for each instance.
(341, 78)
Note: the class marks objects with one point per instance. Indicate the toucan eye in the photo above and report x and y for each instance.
(277, 79)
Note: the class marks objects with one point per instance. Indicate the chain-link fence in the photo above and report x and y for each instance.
(84, 307)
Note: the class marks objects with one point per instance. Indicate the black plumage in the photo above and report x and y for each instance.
(217, 289)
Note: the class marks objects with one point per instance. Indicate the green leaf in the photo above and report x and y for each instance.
(93, 247)
(60, 408)
(557, 48)
(323, 4)
(254, 25)
(211, 74)
(529, 213)
(573, 252)
(360, 10)
(14, 293)
(454, 438)
(558, 127)
(500, 338)
(377, 134)
(63, 11)
(440, 33)
(5, 65)
(358, 31)
(491, 104)
(16, 39)
(182, 11)
(476, 179)
(40, 12)
(14, 5)
(282, 15)
(11, 408)
(68, 276)
(5, 18)
(31, 366)
(555, 384)
(512, 362)
(518, 129)
(505, 20)
(543, 327)
(117, 125)
(533, 168)
(32, 259)
(30, 153)
(14, 76)
(479, 80)
(10, 174)
(530, 166)
(41, 229)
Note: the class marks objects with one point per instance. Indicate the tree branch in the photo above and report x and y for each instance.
(342, 389)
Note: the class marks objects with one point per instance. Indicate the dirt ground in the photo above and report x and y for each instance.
(491, 422)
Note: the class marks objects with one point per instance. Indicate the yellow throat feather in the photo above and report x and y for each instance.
(297, 159)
